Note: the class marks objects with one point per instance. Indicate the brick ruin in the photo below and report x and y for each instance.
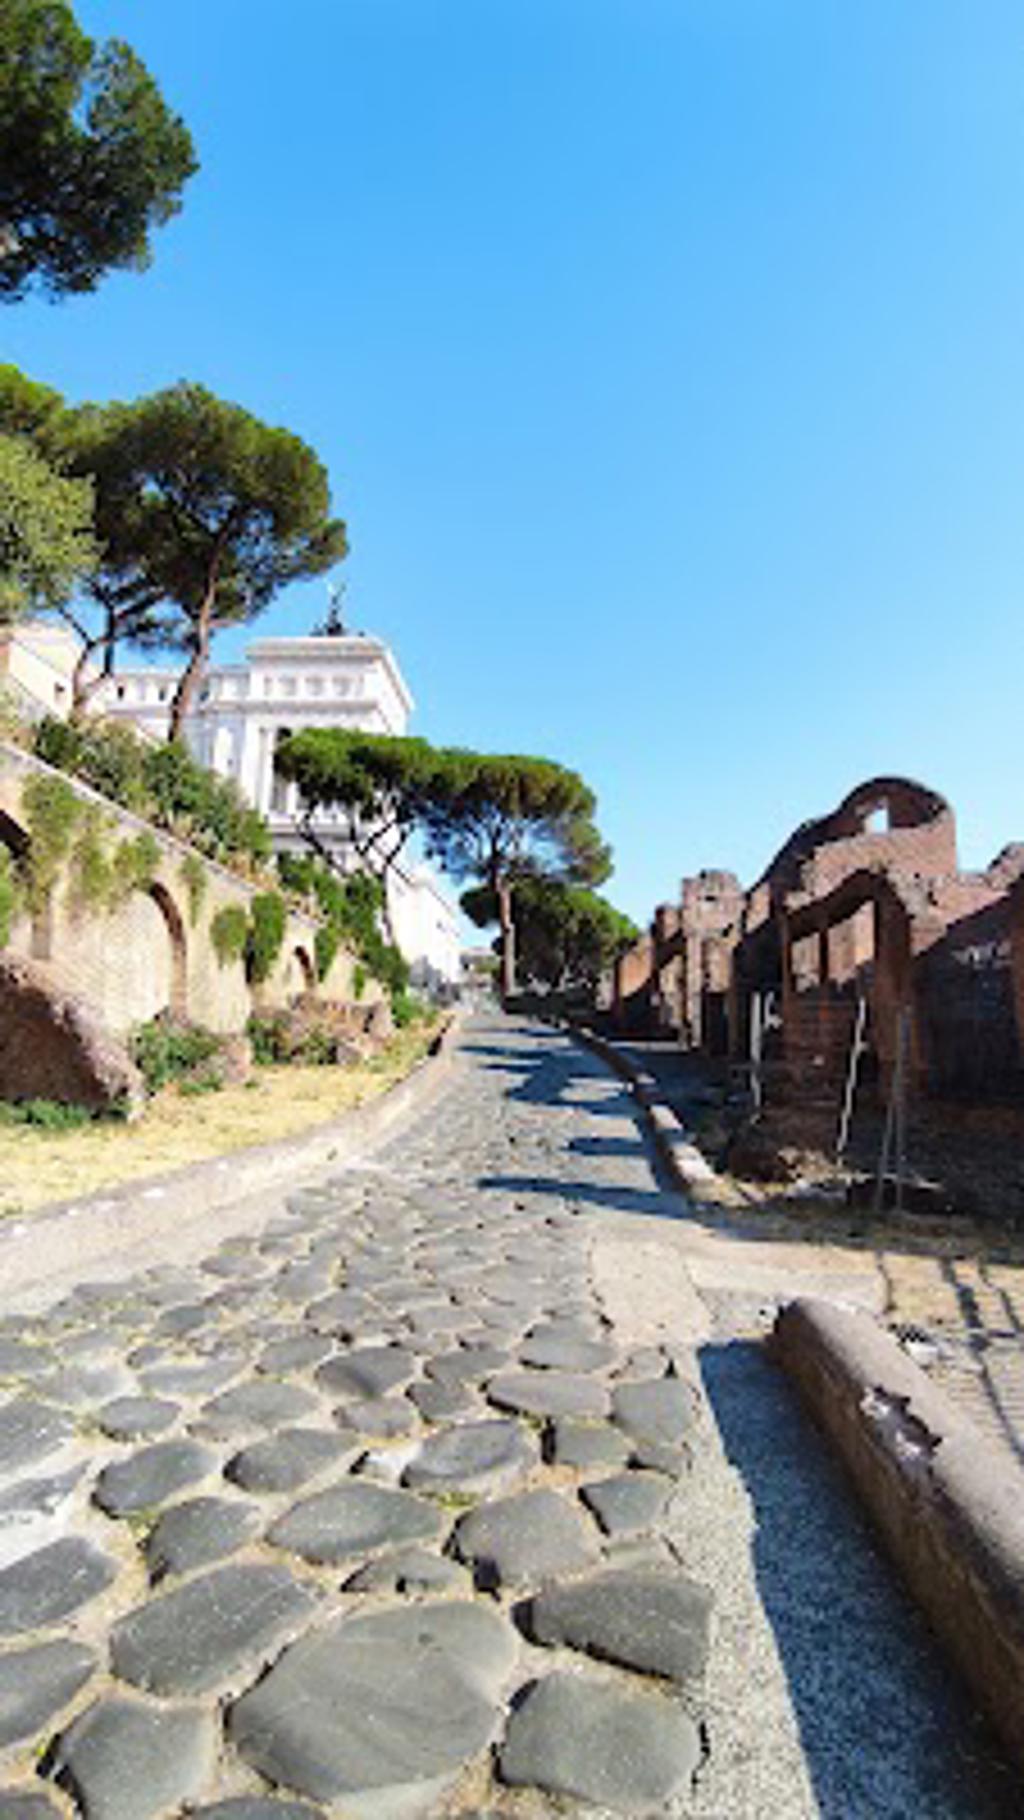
(865, 906)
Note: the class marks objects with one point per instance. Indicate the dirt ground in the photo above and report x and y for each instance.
(39, 1167)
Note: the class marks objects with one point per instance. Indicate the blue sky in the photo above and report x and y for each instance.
(667, 358)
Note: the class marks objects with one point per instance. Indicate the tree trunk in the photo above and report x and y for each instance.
(200, 642)
(187, 687)
(82, 687)
(503, 891)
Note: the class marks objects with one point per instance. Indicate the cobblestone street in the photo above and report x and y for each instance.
(444, 1491)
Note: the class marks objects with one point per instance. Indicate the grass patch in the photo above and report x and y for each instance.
(39, 1166)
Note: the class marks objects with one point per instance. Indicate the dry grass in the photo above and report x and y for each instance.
(39, 1167)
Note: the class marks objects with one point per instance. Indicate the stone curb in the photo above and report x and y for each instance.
(946, 1504)
(687, 1165)
(171, 1215)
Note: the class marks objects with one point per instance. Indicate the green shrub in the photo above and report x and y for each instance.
(109, 757)
(275, 1040)
(359, 979)
(45, 1115)
(229, 932)
(297, 872)
(166, 1051)
(268, 917)
(266, 1034)
(161, 782)
(407, 1008)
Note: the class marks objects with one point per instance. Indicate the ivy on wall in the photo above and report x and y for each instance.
(51, 810)
(229, 933)
(268, 918)
(194, 879)
(351, 911)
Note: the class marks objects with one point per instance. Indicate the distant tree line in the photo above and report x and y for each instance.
(522, 828)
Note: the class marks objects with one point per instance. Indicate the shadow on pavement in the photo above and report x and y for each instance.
(661, 1204)
(887, 1731)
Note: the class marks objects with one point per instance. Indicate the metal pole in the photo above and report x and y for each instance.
(851, 1078)
(901, 1108)
(755, 1050)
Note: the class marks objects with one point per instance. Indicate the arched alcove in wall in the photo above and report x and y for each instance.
(304, 971)
(18, 842)
(174, 923)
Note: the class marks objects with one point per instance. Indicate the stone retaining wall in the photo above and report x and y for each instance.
(154, 952)
(947, 1507)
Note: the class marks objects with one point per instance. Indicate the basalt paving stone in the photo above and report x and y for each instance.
(253, 1807)
(566, 1355)
(548, 1393)
(17, 1804)
(50, 1584)
(659, 1410)
(378, 1418)
(410, 1570)
(525, 1540)
(659, 1456)
(148, 1478)
(36, 1683)
(201, 1635)
(472, 1456)
(123, 1760)
(38, 1496)
(466, 1364)
(243, 1266)
(630, 1751)
(299, 1282)
(262, 1403)
(351, 1519)
(192, 1378)
(442, 1402)
(586, 1444)
(629, 1502)
(646, 1362)
(29, 1430)
(287, 1459)
(177, 1322)
(653, 1621)
(18, 1358)
(126, 1418)
(194, 1534)
(342, 1313)
(369, 1371)
(397, 1701)
(437, 1328)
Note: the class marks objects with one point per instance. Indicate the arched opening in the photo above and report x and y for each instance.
(178, 1005)
(14, 837)
(18, 842)
(304, 971)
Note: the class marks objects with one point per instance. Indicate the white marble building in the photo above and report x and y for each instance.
(284, 686)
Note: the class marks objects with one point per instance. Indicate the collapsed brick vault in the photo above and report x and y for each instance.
(865, 904)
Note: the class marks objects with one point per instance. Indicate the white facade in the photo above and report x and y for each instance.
(37, 665)
(287, 685)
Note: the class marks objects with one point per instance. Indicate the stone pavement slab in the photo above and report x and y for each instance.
(407, 1499)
